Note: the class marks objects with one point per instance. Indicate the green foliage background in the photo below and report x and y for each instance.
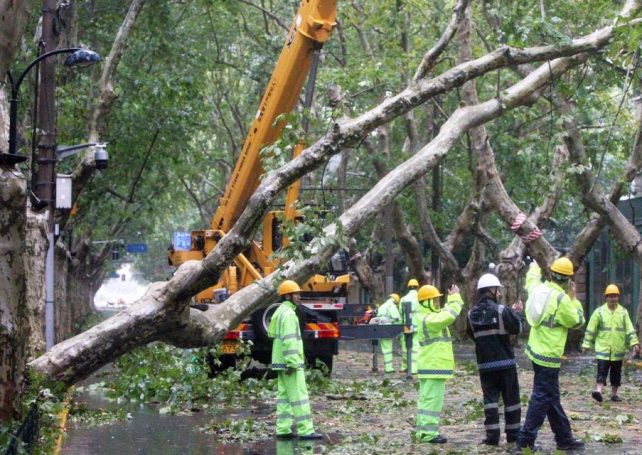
(193, 73)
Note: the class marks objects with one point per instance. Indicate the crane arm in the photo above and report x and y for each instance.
(312, 26)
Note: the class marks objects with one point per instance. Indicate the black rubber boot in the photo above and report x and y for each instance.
(311, 436)
(439, 439)
(571, 444)
(490, 442)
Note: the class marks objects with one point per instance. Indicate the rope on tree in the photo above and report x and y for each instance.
(517, 225)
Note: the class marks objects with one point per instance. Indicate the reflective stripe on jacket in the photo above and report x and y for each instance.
(610, 333)
(287, 348)
(546, 341)
(436, 358)
(390, 310)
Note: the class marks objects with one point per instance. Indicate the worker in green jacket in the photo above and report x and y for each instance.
(408, 308)
(388, 312)
(610, 332)
(557, 311)
(292, 403)
(436, 362)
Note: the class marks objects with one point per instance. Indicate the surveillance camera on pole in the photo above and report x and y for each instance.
(101, 157)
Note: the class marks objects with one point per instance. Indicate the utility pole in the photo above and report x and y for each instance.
(45, 179)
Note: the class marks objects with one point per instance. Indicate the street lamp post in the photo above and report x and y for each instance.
(78, 57)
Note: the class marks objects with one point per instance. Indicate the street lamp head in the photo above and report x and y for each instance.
(7, 159)
(82, 58)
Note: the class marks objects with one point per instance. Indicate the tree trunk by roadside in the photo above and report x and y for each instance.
(14, 325)
(34, 257)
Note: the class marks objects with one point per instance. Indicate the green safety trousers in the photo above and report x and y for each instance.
(386, 350)
(415, 353)
(429, 404)
(292, 404)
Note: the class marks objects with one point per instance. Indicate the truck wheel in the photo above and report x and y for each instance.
(226, 361)
(261, 322)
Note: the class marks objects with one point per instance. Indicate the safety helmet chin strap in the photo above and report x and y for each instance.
(429, 305)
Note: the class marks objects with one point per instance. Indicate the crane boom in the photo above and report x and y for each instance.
(312, 26)
(324, 296)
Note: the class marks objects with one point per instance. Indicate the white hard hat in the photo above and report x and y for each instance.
(488, 280)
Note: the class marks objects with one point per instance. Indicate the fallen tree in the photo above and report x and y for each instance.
(163, 313)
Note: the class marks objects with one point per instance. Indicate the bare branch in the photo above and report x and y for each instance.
(433, 54)
(270, 14)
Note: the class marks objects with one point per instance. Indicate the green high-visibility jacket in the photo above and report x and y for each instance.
(287, 348)
(390, 310)
(409, 301)
(610, 333)
(436, 359)
(546, 340)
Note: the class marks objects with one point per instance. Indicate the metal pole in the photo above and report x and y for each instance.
(49, 293)
(13, 116)
(375, 346)
(46, 174)
(408, 339)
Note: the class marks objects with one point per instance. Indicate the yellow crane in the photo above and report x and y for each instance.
(323, 296)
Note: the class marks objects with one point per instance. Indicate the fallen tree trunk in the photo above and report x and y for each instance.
(157, 313)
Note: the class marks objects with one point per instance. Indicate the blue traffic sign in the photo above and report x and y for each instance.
(136, 247)
(182, 241)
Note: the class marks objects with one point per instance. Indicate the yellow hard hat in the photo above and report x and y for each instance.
(413, 283)
(563, 266)
(428, 292)
(611, 289)
(288, 287)
(395, 297)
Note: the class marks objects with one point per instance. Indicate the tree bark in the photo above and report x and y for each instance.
(13, 18)
(14, 321)
(14, 325)
(34, 256)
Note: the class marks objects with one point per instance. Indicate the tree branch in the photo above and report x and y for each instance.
(155, 313)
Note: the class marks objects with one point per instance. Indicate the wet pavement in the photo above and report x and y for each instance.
(149, 432)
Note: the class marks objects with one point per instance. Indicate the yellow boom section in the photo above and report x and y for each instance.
(312, 26)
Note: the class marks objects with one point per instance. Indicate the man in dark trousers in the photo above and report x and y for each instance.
(489, 325)
(551, 310)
